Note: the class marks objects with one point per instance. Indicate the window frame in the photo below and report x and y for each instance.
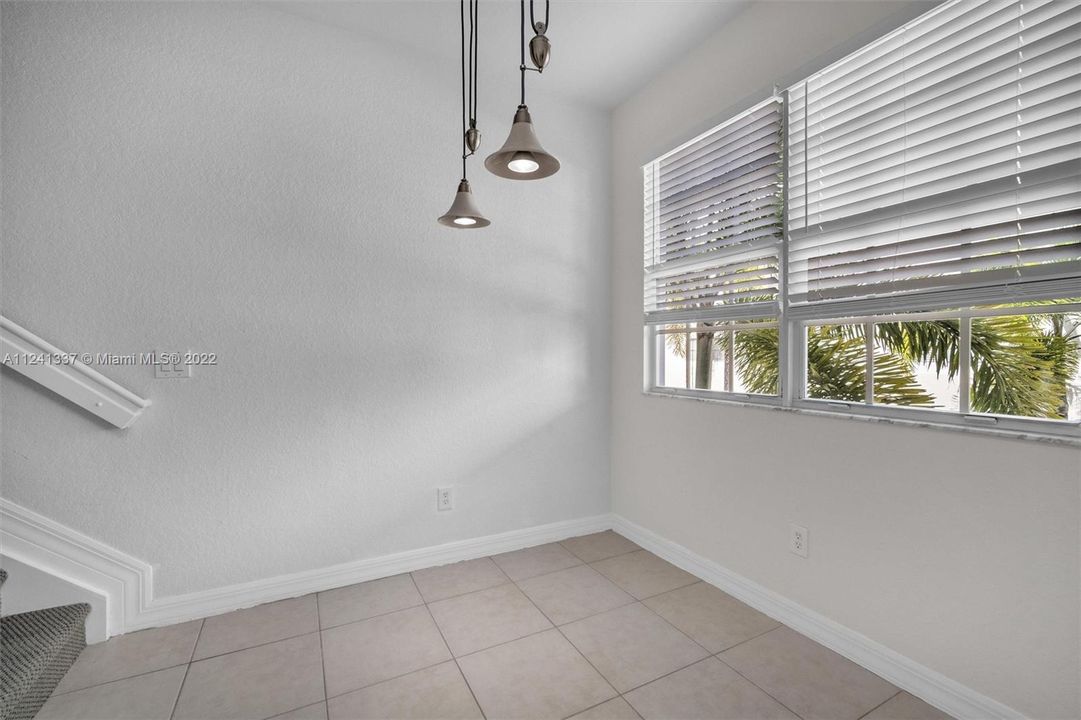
(792, 358)
(793, 380)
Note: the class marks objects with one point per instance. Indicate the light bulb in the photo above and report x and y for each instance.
(523, 162)
(464, 221)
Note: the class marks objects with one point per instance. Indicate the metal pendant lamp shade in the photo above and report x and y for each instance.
(463, 213)
(522, 157)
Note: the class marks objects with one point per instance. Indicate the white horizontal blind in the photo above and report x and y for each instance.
(712, 223)
(940, 166)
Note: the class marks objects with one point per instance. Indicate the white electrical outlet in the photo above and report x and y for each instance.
(170, 366)
(798, 540)
(444, 499)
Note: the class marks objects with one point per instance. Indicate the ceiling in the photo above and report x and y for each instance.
(602, 50)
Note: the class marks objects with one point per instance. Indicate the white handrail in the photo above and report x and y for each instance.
(67, 376)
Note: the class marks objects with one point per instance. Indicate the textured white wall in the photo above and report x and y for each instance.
(233, 179)
(959, 551)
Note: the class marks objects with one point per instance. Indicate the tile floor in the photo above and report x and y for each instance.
(592, 627)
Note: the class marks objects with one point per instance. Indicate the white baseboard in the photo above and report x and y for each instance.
(127, 583)
(180, 608)
(933, 687)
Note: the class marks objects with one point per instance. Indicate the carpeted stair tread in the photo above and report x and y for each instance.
(36, 650)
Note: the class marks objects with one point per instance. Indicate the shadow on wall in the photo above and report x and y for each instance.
(266, 188)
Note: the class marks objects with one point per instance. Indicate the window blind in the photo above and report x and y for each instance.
(941, 166)
(713, 224)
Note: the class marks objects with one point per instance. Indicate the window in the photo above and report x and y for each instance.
(929, 262)
(713, 237)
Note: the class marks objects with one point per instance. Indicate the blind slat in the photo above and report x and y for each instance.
(714, 231)
(943, 161)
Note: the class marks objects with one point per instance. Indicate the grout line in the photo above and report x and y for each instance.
(252, 647)
(506, 578)
(678, 587)
(116, 680)
(581, 654)
(295, 709)
(505, 642)
(470, 688)
(741, 642)
(187, 669)
(140, 674)
(578, 564)
(767, 692)
(876, 707)
(198, 637)
(455, 659)
(631, 706)
(389, 679)
(426, 601)
(322, 655)
(372, 617)
(662, 677)
(665, 621)
(416, 588)
(597, 705)
(609, 557)
(176, 700)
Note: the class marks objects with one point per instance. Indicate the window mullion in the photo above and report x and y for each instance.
(869, 349)
(964, 366)
(786, 354)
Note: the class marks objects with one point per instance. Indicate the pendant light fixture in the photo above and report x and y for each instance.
(522, 157)
(463, 213)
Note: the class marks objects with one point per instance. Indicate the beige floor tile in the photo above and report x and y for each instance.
(573, 594)
(255, 683)
(459, 578)
(318, 711)
(436, 692)
(598, 546)
(540, 676)
(643, 574)
(709, 690)
(631, 645)
(530, 562)
(360, 602)
(712, 618)
(257, 626)
(131, 654)
(614, 709)
(485, 618)
(370, 651)
(145, 697)
(812, 681)
(903, 706)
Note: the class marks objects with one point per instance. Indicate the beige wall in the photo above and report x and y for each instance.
(959, 551)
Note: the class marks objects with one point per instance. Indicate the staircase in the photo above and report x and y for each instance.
(36, 649)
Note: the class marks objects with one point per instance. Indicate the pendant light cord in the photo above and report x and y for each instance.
(461, 7)
(474, 41)
(533, 22)
(469, 95)
(521, 66)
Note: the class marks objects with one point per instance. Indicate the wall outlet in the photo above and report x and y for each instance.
(798, 540)
(168, 369)
(444, 499)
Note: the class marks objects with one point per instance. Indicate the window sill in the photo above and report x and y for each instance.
(770, 403)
